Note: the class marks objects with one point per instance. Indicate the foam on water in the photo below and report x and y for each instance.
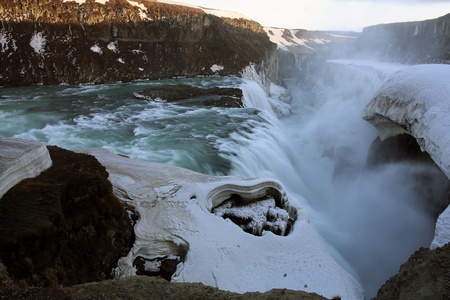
(366, 218)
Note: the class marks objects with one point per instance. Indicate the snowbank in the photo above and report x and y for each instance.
(416, 100)
(20, 159)
(175, 208)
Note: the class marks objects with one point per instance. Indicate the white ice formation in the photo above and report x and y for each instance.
(416, 101)
(175, 208)
(21, 159)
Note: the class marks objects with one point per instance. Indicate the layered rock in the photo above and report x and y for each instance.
(21, 159)
(52, 42)
(411, 42)
(64, 226)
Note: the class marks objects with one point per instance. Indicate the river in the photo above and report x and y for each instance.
(367, 218)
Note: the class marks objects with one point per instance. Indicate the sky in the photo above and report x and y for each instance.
(330, 14)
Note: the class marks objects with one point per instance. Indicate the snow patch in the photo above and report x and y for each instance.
(121, 60)
(442, 231)
(84, 1)
(142, 8)
(38, 42)
(216, 68)
(215, 12)
(285, 38)
(113, 47)
(6, 41)
(96, 49)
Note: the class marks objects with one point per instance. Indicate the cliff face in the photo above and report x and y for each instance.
(52, 42)
(411, 42)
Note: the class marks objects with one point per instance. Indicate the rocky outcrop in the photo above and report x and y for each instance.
(136, 287)
(426, 275)
(410, 42)
(53, 42)
(191, 95)
(64, 226)
(20, 159)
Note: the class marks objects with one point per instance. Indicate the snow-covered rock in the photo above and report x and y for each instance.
(21, 159)
(442, 231)
(176, 221)
(416, 101)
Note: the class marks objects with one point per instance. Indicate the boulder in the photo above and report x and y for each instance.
(191, 95)
(426, 275)
(65, 226)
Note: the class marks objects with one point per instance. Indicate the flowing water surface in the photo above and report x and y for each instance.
(366, 218)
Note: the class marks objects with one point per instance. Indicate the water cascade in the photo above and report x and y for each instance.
(317, 147)
(368, 218)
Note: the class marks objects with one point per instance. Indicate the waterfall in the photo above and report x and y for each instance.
(368, 219)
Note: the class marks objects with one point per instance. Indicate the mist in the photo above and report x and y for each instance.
(371, 219)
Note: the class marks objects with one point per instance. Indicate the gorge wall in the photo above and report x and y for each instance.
(54, 42)
(411, 42)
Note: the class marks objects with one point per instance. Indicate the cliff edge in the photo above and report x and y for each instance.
(54, 42)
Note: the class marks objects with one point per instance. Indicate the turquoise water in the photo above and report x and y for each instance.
(109, 116)
(367, 219)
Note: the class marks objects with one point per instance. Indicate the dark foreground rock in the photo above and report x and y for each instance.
(136, 287)
(426, 275)
(64, 226)
(187, 94)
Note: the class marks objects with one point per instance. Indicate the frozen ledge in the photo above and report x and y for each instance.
(177, 225)
(416, 101)
(21, 159)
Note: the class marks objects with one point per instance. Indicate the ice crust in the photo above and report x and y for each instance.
(416, 100)
(175, 205)
(21, 159)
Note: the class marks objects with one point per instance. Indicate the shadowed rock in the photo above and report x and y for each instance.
(64, 226)
(187, 94)
(425, 275)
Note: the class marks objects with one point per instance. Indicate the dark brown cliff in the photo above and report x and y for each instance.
(53, 42)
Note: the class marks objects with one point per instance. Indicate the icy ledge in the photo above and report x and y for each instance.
(21, 159)
(416, 101)
(176, 224)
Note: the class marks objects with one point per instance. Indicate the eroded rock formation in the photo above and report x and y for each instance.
(64, 226)
(52, 42)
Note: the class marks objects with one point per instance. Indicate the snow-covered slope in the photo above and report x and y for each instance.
(175, 207)
(289, 39)
(211, 11)
(416, 100)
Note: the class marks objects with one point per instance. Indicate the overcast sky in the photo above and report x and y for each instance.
(330, 14)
